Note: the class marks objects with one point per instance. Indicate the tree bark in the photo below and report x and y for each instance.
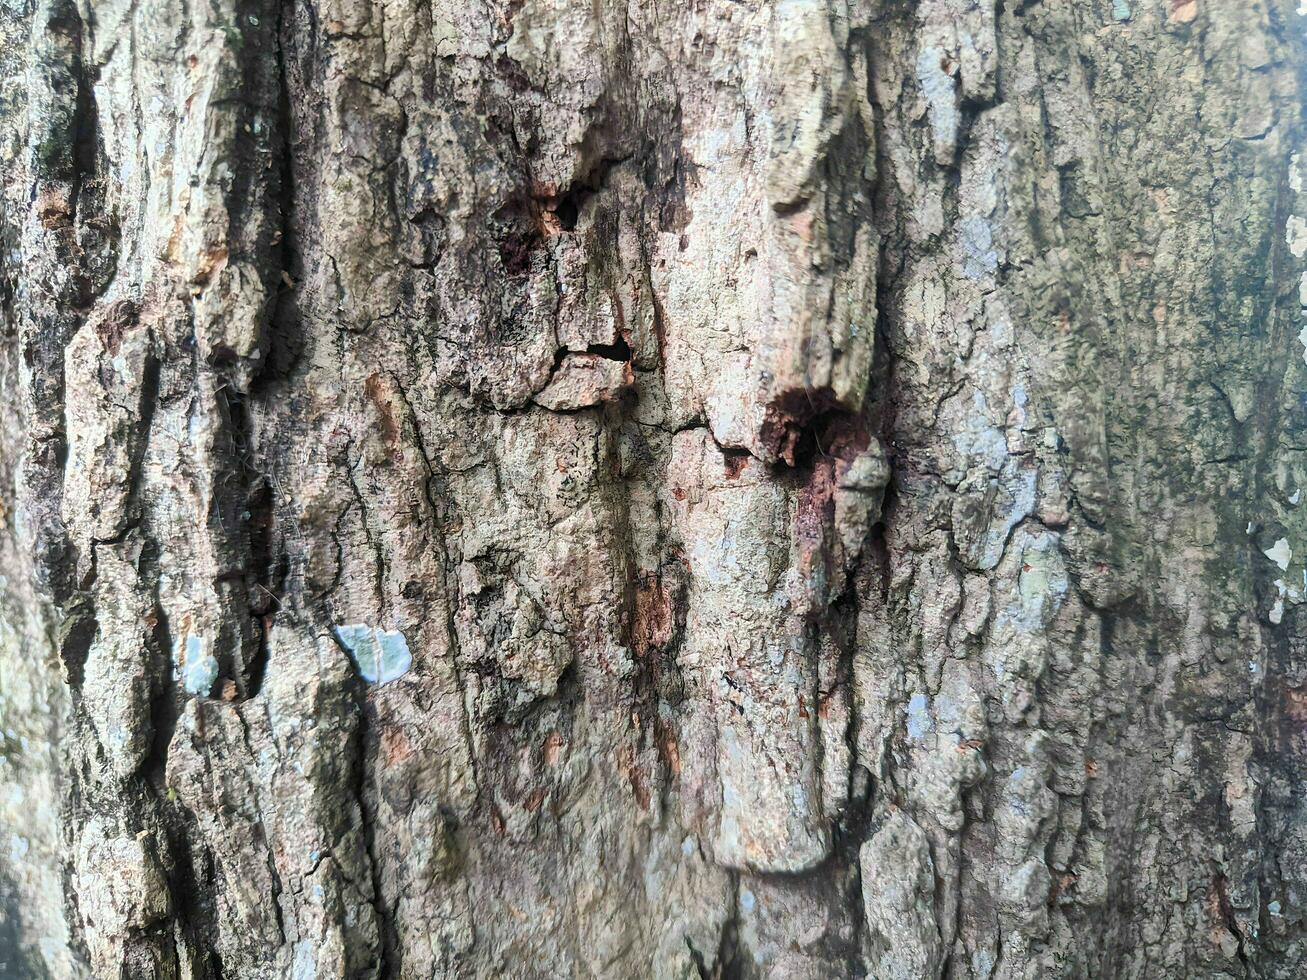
(725, 488)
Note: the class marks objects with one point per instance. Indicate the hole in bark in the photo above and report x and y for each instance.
(512, 73)
(537, 213)
(567, 212)
(76, 645)
(427, 238)
(734, 461)
(564, 211)
(117, 318)
(801, 423)
(619, 350)
(518, 232)
(515, 252)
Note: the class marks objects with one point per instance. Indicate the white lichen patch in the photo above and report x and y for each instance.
(978, 440)
(919, 721)
(1041, 584)
(379, 655)
(199, 667)
(1295, 235)
(1280, 553)
(1285, 591)
(940, 90)
(977, 240)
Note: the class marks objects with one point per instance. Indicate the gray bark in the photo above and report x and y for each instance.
(550, 488)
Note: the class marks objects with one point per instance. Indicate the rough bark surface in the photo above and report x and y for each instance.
(551, 488)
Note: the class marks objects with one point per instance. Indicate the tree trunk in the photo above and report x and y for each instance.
(714, 488)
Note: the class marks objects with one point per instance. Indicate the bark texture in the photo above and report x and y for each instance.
(552, 488)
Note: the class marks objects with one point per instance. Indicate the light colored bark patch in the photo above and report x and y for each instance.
(380, 655)
(199, 666)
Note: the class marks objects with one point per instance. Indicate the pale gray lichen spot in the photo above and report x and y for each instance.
(940, 90)
(986, 444)
(919, 721)
(305, 965)
(380, 656)
(1290, 593)
(1280, 553)
(1042, 583)
(1015, 502)
(948, 715)
(979, 440)
(978, 246)
(799, 797)
(199, 666)
(1295, 235)
(728, 827)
